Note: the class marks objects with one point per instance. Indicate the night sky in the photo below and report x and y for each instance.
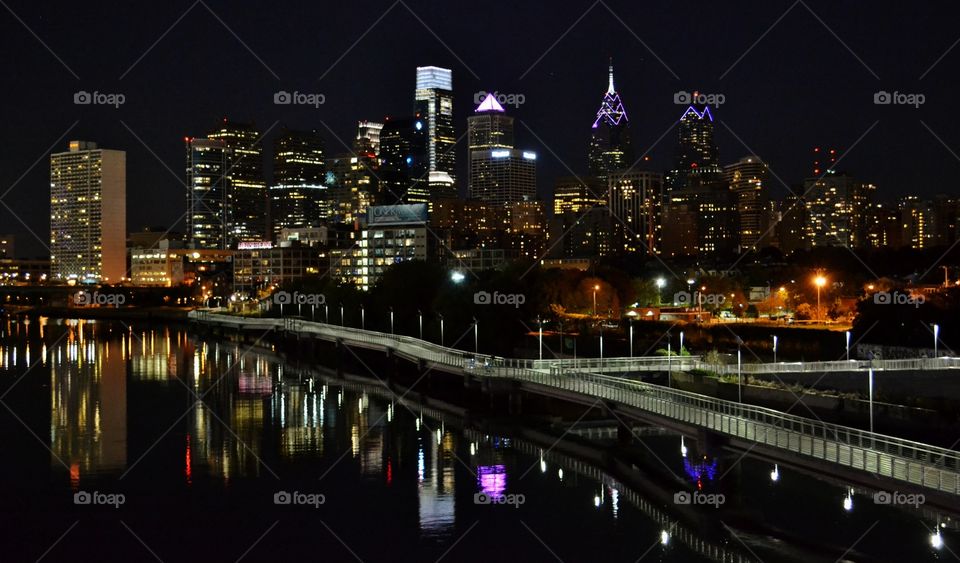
(183, 65)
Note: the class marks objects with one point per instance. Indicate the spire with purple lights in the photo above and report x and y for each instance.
(611, 109)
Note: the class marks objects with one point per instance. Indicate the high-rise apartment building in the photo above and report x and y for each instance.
(837, 205)
(88, 214)
(748, 179)
(635, 199)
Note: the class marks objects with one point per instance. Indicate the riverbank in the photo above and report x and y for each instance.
(158, 314)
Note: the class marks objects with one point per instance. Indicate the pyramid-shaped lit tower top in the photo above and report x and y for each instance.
(489, 103)
(611, 110)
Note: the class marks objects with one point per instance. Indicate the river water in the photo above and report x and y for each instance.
(144, 443)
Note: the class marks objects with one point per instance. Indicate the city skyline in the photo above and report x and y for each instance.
(554, 118)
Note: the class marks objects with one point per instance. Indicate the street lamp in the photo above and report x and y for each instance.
(420, 317)
(669, 353)
(441, 328)
(661, 283)
(540, 322)
(774, 348)
(601, 343)
(680, 349)
(819, 281)
(326, 313)
(848, 345)
(363, 318)
(596, 288)
(391, 320)
(870, 395)
(631, 336)
(739, 371)
(936, 337)
(476, 338)
(341, 314)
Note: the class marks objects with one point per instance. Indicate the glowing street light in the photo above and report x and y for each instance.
(457, 276)
(936, 337)
(363, 318)
(391, 320)
(775, 474)
(774, 348)
(540, 322)
(420, 316)
(596, 288)
(819, 281)
(848, 345)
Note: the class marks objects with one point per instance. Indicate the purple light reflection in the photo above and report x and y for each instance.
(492, 479)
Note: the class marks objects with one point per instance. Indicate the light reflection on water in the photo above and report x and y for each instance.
(104, 380)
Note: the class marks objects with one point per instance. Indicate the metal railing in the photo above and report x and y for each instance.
(914, 462)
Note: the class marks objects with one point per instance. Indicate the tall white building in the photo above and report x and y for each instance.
(498, 173)
(88, 214)
(434, 97)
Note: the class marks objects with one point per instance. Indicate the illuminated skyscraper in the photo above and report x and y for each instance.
(635, 199)
(434, 97)
(209, 205)
(368, 138)
(610, 146)
(248, 189)
(696, 153)
(88, 213)
(404, 161)
(497, 172)
(748, 182)
(299, 197)
(577, 195)
(837, 205)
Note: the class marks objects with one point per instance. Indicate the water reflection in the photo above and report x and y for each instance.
(117, 393)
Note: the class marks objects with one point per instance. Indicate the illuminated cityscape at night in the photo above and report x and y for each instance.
(415, 281)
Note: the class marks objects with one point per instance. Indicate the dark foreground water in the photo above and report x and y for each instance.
(141, 443)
